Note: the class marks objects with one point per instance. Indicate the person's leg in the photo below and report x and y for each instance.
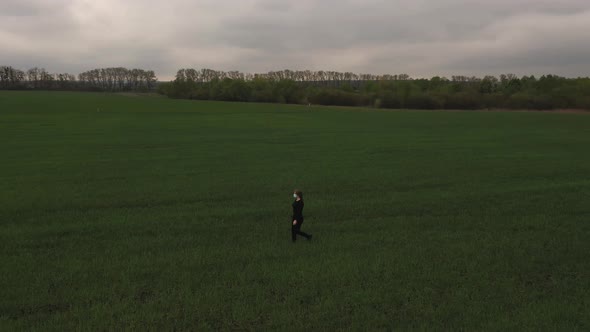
(298, 231)
(294, 231)
(305, 235)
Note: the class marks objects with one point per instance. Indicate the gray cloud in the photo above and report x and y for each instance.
(418, 37)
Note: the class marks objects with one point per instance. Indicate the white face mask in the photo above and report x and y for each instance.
(294, 195)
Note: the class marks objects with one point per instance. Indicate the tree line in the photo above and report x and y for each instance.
(324, 88)
(102, 79)
(323, 77)
(382, 91)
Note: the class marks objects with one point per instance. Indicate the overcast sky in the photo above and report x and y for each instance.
(422, 38)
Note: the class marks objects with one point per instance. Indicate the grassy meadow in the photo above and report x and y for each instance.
(140, 212)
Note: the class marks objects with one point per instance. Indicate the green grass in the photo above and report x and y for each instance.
(158, 214)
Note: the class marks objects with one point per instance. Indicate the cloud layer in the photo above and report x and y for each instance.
(420, 37)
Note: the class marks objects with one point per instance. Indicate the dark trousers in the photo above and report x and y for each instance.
(296, 230)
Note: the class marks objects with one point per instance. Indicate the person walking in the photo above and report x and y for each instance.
(297, 217)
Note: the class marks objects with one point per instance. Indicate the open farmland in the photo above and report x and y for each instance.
(139, 212)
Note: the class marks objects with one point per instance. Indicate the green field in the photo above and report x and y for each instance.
(140, 212)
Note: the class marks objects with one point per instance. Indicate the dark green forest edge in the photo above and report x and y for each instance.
(548, 92)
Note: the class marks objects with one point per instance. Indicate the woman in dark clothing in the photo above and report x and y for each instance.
(298, 217)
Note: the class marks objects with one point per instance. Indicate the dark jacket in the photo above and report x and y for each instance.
(298, 210)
